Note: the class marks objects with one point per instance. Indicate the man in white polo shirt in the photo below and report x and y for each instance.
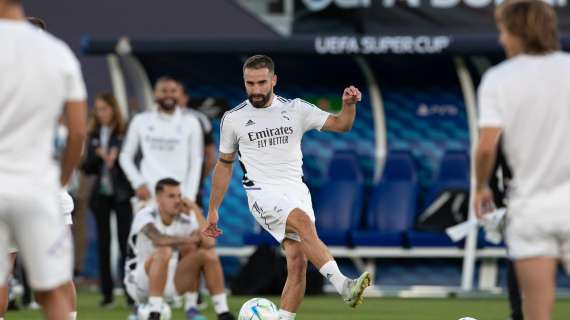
(39, 79)
(526, 101)
(170, 142)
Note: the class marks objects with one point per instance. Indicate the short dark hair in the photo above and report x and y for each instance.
(37, 22)
(165, 182)
(259, 61)
(165, 79)
(534, 22)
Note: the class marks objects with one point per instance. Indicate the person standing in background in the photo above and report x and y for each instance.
(111, 191)
(170, 142)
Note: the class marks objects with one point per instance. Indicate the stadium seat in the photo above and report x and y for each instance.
(338, 203)
(453, 174)
(392, 205)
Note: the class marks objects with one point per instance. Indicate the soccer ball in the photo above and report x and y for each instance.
(258, 309)
(143, 311)
(467, 318)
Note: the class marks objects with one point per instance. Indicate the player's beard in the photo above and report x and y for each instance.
(261, 103)
(167, 104)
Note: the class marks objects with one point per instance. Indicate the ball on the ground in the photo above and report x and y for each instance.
(144, 310)
(258, 309)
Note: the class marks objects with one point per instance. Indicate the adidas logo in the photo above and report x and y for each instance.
(249, 123)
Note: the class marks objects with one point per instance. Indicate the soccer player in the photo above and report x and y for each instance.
(169, 251)
(266, 131)
(34, 90)
(170, 142)
(525, 100)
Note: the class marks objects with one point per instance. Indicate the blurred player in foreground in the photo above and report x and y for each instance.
(526, 101)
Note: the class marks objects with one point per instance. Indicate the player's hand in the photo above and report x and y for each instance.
(484, 202)
(189, 206)
(351, 96)
(143, 193)
(212, 229)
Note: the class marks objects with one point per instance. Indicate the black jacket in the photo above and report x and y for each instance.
(93, 165)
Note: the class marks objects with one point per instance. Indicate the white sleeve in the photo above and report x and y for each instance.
(74, 84)
(128, 153)
(228, 137)
(141, 219)
(490, 113)
(312, 117)
(196, 158)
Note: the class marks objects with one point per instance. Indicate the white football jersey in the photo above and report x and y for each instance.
(141, 245)
(38, 75)
(268, 140)
(528, 97)
(172, 147)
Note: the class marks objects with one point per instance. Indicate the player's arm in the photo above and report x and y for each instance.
(159, 239)
(342, 122)
(75, 117)
(220, 182)
(127, 160)
(485, 156)
(205, 242)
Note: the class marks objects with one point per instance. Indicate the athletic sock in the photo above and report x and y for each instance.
(331, 271)
(191, 300)
(155, 304)
(220, 303)
(286, 315)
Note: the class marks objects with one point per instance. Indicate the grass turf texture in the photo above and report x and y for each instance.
(332, 308)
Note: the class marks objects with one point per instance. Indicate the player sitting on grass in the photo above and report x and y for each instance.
(168, 252)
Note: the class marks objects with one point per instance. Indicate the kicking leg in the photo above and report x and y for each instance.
(319, 255)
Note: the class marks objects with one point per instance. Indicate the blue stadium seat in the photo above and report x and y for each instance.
(392, 205)
(338, 203)
(453, 173)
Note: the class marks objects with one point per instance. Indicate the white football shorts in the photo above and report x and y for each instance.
(33, 220)
(271, 205)
(540, 236)
(136, 282)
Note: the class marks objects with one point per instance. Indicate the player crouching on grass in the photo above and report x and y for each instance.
(167, 252)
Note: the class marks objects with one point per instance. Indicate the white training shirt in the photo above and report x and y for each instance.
(529, 98)
(38, 75)
(269, 139)
(182, 225)
(171, 146)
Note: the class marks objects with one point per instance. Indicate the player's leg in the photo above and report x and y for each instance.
(4, 290)
(294, 289)
(71, 295)
(156, 268)
(317, 252)
(186, 280)
(537, 282)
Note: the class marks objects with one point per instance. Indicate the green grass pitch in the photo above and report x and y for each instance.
(331, 307)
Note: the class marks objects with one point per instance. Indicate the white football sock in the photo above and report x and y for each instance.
(73, 315)
(286, 315)
(331, 271)
(220, 303)
(191, 300)
(155, 304)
